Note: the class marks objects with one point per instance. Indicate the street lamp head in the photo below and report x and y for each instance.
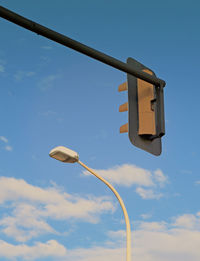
(64, 154)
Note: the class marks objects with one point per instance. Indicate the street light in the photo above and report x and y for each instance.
(69, 156)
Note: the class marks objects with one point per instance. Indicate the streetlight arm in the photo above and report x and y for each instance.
(128, 227)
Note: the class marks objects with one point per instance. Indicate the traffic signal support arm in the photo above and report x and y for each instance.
(77, 46)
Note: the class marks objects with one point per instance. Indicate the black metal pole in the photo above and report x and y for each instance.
(75, 45)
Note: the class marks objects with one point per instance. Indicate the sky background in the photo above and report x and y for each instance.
(52, 95)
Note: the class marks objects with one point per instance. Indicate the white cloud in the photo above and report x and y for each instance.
(126, 175)
(151, 241)
(153, 226)
(95, 254)
(130, 175)
(24, 252)
(160, 177)
(148, 193)
(167, 241)
(4, 139)
(146, 216)
(25, 223)
(117, 234)
(188, 221)
(31, 206)
(8, 148)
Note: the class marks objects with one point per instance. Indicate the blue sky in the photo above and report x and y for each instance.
(52, 95)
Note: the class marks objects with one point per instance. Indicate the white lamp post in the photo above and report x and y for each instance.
(69, 156)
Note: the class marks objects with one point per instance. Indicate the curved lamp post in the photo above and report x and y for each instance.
(69, 156)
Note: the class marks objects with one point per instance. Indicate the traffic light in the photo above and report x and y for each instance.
(145, 108)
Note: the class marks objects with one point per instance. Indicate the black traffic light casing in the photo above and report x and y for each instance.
(145, 107)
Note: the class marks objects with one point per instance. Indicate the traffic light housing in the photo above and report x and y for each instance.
(145, 108)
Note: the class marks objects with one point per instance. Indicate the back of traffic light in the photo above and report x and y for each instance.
(145, 108)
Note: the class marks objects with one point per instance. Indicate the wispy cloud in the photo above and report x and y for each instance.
(160, 178)
(2, 68)
(52, 114)
(38, 251)
(8, 148)
(152, 226)
(48, 82)
(25, 223)
(187, 221)
(2, 65)
(126, 175)
(48, 113)
(31, 207)
(148, 193)
(152, 241)
(20, 75)
(5, 141)
(47, 47)
(130, 175)
(146, 216)
(184, 171)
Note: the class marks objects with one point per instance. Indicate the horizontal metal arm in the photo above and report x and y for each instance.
(77, 46)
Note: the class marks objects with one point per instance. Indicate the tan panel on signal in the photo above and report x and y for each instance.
(124, 128)
(123, 107)
(146, 97)
(123, 87)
